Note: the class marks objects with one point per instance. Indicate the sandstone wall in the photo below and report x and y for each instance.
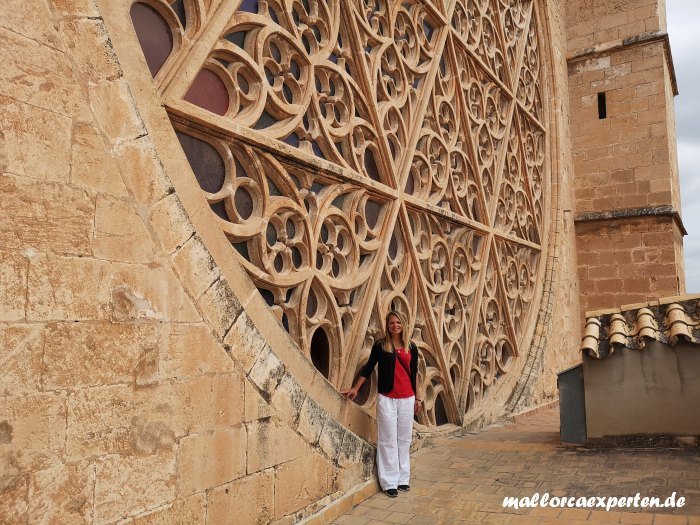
(627, 261)
(626, 160)
(143, 380)
(621, 84)
(591, 22)
(135, 387)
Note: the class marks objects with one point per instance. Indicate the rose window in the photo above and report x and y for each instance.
(368, 155)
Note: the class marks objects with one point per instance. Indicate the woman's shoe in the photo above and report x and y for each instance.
(392, 493)
(404, 488)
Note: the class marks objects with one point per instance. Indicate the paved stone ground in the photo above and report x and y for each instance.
(464, 480)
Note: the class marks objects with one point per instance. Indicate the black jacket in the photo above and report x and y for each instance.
(387, 363)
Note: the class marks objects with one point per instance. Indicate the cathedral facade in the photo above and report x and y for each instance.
(210, 206)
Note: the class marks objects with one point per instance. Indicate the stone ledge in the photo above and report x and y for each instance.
(644, 38)
(630, 213)
(353, 497)
(522, 416)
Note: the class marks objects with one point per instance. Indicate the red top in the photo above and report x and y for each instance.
(402, 381)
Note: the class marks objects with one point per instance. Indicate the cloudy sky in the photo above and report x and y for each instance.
(684, 33)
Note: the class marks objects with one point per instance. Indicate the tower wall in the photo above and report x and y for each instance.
(621, 83)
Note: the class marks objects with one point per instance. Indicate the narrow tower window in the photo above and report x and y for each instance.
(602, 107)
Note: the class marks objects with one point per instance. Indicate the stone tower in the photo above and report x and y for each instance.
(629, 231)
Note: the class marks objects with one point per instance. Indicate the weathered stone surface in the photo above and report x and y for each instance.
(43, 76)
(45, 216)
(78, 355)
(190, 350)
(119, 420)
(271, 443)
(220, 307)
(349, 477)
(13, 285)
(183, 405)
(176, 391)
(116, 419)
(245, 342)
(75, 8)
(14, 492)
(190, 511)
(99, 422)
(36, 427)
(4, 154)
(149, 436)
(120, 233)
(36, 23)
(20, 360)
(195, 267)
(369, 452)
(311, 478)
(208, 460)
(171, 223)
(38, 141)
(141, 292)
(91, 165)
(331, 438)
(351, 450)
(199, 405)
(311, 420)
(67, 288)
(152, 482)
(226, 399)
(128, 304)
(246, 501)
(267, 372)
(255, 406)
(287, 399)
(142, 170)
(61, 494)
(88, 44)
(115, 110)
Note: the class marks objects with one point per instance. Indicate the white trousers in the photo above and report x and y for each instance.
(394, 433)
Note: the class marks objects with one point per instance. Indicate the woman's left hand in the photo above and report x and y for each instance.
(417, 405)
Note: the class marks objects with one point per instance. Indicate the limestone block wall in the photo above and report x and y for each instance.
(621, 83)
(626, 160)
(591, 22)
(143, 380)
(135, 387)
(628, 261)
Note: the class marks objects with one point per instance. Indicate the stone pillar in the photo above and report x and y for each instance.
(622, 83)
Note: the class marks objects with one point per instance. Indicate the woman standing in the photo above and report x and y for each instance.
(396, 403)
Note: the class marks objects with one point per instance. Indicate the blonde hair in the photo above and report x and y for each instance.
(387, 343)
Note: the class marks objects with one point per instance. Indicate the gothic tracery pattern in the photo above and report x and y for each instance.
(371, 155)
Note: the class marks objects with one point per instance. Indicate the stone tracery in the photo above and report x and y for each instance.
(373, 155)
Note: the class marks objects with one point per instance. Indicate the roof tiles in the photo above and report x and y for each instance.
(668, 320)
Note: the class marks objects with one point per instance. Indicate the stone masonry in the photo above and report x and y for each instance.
(621, 83)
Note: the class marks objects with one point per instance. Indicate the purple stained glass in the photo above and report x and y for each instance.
(251, 6)
(208, 91)
(154, 35)
(206, 163)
